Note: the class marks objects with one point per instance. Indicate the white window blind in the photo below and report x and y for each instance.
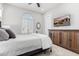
(27, 23)
(0, 12)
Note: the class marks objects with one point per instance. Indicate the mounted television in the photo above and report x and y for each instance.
(62, 21)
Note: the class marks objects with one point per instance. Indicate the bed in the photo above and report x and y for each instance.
(24, 43)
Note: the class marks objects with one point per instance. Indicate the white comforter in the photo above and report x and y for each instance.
(24, 43)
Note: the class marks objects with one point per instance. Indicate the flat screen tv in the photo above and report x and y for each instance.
(62, 21)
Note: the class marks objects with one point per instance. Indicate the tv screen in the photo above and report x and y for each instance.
(62, 21)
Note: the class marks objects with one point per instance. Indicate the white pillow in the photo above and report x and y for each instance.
(3, 35)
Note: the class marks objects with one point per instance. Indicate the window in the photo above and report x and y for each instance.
(27, 23)
(0, 12)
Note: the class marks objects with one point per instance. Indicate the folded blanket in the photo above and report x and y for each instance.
(45, 40)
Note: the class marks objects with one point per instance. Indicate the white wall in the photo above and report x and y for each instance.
(63, 9)
(13, 16)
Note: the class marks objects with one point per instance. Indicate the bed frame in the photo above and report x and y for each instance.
(31, 53)
(34, 52)
(0, 24)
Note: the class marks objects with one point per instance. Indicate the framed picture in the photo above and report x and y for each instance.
(62, 21)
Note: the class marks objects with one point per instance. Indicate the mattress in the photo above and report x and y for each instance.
(19, 45)
(24, 43)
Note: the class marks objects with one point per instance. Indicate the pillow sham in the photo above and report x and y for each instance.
(3, 35)
(11, 33)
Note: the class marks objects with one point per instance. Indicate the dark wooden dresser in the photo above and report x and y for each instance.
(68, 39)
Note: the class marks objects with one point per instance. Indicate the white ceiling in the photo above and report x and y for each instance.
(44, 7)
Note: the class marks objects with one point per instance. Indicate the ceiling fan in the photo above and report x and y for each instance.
(38, 4)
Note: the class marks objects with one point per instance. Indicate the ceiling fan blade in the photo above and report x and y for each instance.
(38, 4)
(29, 3)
